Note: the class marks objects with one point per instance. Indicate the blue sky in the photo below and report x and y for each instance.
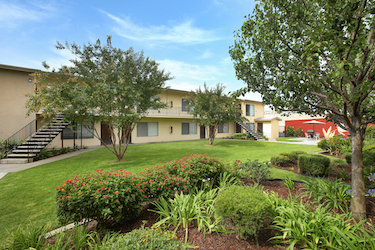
(189, 39)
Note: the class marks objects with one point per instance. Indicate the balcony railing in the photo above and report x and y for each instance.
(174, 111)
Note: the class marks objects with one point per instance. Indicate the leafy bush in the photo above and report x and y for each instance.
(293, 156)
(196, 168)
(27, 237)
(145, 239)
(336, 145)
(280, 160)
(300, 225)
(246, 208)
(257, 170)
(290, 131)
(332, 194)
(299, 132)
(315, 165)
(240, 136)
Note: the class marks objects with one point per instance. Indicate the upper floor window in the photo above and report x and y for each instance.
(223, 128)
(147, 129)
(250, 110)
(185, 104)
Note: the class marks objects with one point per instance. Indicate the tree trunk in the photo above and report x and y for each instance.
(358, 203)
(211, 134)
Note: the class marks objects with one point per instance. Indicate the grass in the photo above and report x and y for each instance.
(29, 196)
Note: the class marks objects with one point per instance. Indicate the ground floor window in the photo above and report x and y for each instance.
(223, 128)
(78, 131)
(189, 128)
(147, 129)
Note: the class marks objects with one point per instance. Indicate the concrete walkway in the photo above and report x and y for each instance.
(9, 168)
(302, 141)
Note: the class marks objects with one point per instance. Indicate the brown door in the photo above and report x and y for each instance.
(106, 135)
(203, 132)
(260, 128)
(238, 128)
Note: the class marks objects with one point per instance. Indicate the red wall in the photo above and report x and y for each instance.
(317, 127)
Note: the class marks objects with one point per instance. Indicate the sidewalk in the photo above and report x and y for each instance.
(302, 141)
(9, 168)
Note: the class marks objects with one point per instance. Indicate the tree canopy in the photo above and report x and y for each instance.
(212, 107)
(314, 57)
(103, 85)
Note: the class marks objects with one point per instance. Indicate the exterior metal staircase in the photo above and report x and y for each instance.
(250, 131)
(27, 151)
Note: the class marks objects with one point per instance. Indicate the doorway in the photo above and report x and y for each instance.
(260, 128)
(203, 132)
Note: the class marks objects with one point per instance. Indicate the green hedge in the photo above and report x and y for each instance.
(244, 207)
(315, 165)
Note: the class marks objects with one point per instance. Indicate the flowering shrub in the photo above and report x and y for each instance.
(196, 168)
(158, 182)
(115, 194)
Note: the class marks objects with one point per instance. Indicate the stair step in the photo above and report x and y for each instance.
(21, 155)
(26, 151)
(16, 161)
(40, 139)
(31, 147)
(48, 132)
(38, 143)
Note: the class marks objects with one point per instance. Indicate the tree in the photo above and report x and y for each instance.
(104, 85)
(314, 57)
(212, 107)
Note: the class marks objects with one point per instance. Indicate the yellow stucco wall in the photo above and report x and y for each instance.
(164, 131)
(14, 85)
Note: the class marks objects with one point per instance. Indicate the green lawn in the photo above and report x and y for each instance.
(28, 196)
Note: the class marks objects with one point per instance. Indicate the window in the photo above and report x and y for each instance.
(189, 128)
(250, 110)
(78, 131)
(147, 129)
(223, 128)
(185, 103)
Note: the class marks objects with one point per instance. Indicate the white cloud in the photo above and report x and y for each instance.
(206, 54)
(181, 70)
(12, 15)
(184, 33)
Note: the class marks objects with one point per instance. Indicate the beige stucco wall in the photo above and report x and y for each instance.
(14, 85)
(164, 131)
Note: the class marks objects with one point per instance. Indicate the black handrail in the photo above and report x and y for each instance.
(20, 136)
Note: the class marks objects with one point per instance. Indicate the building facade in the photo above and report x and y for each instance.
(173, 123)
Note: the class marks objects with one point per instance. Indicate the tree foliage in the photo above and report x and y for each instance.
(212, 107)
(315, 57)
(103, 85)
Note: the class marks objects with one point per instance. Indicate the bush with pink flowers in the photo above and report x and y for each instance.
(196, 168)
(116, 195)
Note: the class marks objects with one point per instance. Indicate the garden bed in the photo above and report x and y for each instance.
(233, 241)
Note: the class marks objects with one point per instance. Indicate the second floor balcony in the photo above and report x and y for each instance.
(169, 112)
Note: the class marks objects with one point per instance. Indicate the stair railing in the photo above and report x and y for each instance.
(20, 136)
